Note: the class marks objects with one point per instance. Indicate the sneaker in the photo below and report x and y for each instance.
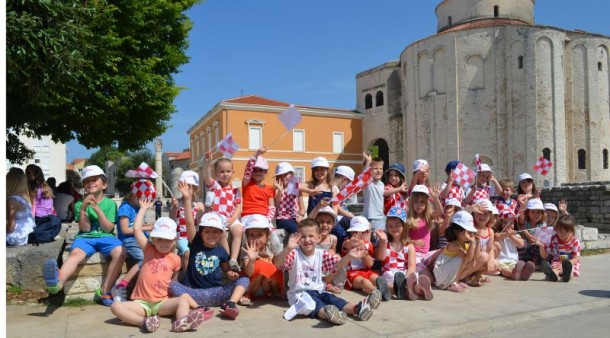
(364, 309)
(517, 270)
(189, 322)
(400, 284)
(566, 266)
(150, 323)
(411, 281)
(528, 270)
(207, 312)
(548, 271)
(382, 286)
(102, 299)
(426, 286)
(234, 265)
(119, 293)
(50, 273)
(229, 310)
(334, 315)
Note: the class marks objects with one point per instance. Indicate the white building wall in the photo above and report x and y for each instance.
(49, 156)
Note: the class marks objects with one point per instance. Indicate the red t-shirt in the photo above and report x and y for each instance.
(256, 199)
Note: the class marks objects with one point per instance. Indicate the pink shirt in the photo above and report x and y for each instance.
(44, 206)
(421, 232)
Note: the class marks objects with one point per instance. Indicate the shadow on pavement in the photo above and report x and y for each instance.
(596, 293)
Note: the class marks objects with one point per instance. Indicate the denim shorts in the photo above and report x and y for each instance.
(325, 298)
(133, 250)
(90, 246)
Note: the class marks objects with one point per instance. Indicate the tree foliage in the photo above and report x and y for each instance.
(124, 161)
(96, 71)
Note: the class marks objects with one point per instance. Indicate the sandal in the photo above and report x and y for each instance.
(474, 281)
(455, 287)
(464, 285)
(333, 288)
(484, 279)
(244, 301)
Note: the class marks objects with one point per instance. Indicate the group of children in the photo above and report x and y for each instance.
(409, 238)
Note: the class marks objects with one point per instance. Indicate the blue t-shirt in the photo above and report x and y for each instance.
(204, 270)
(126, 210)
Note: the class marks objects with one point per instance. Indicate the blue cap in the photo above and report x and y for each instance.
(399, 168)
(451, 165)
(398, 212)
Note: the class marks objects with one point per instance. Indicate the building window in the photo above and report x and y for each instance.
(37, 160)
(599, 66)
(546, 152)
(368, 101)
(196, 146)
(582, 154)
(449, 20)
(379, 99)
(496, 11)
(216, 135)
(520, 61)
(255, 137)
(298, 140)
(605, 158)
(337, 142)
(202, 138)
(210, 146)
(299, 173)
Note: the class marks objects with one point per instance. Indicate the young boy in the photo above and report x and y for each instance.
(306, 266)
(564, 250)
(504, 200)
(96, 215)
(373, 195)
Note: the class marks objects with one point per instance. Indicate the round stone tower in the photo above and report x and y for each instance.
(454, 12)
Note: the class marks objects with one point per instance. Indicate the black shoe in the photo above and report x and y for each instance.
(382, 285)
(566, 266)
(548, 271)
(400, 283)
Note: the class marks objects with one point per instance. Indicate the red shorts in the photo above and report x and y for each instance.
(353, 274)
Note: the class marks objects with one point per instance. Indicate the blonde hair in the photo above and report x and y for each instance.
(17, 184)
(412, 218)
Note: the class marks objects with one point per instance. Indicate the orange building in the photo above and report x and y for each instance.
(332, 133)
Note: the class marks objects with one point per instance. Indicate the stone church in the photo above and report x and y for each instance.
(491, 81)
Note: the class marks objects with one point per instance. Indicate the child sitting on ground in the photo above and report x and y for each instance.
(564, 251)
(508, 258)
(306, 265)
(160, 265)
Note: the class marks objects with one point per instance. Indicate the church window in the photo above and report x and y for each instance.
(496, 11)
(450, 20)
(520, 61)
(379, 99)
(599, 66)
(582, 159)
(546, 152)
(605, 158)
(368, 101)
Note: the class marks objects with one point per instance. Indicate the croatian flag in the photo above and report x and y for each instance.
(543, 166)
(358, 184)
(462, 175)
(290, 117)
(143, 171)
(227, 146)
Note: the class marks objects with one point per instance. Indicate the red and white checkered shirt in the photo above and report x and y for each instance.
(564, 251)
(456, 192)
(394, 200)
(181, 229)
(502, 204)
(481, 193)
(395, 261)
(225, 199)
(329, 261)
(289, 205)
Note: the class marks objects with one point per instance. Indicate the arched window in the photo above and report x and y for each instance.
(605, 158)
(368, 101)
(496, 11)
(520, 61)
(379, 99)
(582, 156)
(546, 152)
(599, 66)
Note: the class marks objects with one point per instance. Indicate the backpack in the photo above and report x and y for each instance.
(45, 231)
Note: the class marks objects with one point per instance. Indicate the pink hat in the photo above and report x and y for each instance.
(261, 163)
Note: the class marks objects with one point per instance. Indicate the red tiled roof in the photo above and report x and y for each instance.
(78, 160)
(69, 166)
(182, 156)
(253, 99)
(484, 23)
(171, 154)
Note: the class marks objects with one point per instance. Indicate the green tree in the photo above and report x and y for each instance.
(109, 153)
(96, 71)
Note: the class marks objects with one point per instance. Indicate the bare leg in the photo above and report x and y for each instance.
(129, 312)
(237, 233)
(114, 268)
(132, 273)
(67, 269)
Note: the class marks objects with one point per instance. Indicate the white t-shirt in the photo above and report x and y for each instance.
(373, 201)
(306, 272)
(508, 252)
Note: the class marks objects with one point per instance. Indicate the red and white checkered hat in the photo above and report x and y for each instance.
(144, 189)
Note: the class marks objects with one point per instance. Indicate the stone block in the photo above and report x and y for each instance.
(607, 203)
(578, 233)
(91, 270)
(83, 285)
(598, 244)
(589, 234)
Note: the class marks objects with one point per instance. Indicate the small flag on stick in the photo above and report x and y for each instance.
(142, 171)
(227, 146)
(462, 175)
(290, 117)
(358, 184)
(543, 166)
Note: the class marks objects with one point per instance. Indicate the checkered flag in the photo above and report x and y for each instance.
(477, 161)
(543, 166)
(358, 184)
(462, 175)
(143, 171)
(144, 189)
(227, 146)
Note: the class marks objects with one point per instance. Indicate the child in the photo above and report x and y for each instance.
(177, 214)
(508, 258)
(504, 200)
(207, 262)
(288, 199)
(452, 206)
(96, 215)
(421, 174)
(258, 252)
(41, 194)
(373, 195)
(19, 218)
(420, 223)
(483, 189)
(564, 251)
(326, 218)
(451, 189)
(398, 256)
(534, 217)
(319, 188)
(526, 189)
(461, 257)
(306, 264)
(344, 175)
(160, 265)
(552, 213)
(483, 221)
(126, 216)
(395, 193)
(225, 201)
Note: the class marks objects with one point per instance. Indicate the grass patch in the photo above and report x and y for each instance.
(14, 289)
(593, 252)
(78, 302)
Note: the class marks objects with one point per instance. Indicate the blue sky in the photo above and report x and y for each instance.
(308, 52)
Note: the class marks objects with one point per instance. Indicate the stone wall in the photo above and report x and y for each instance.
(588, 203)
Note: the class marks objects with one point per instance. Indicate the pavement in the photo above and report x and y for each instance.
(501, 308)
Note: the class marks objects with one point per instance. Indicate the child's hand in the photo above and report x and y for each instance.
(89, 200)
(449, 212)
(435, 191)
(522, 199)
(563, 207)
(186, 190)
(208, 156)
(325, 202)
(355, 242)
(537, 193)
(145, 203)
(232, 275)
(404, 187)
(419, 243)
(293, 241)
(251, 250)
(357, 252)
(278, 185)
(260, 151)
(381, 235)
(367, 156)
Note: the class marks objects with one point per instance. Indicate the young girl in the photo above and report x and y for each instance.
(126, 216)
(534, 217)
(319, 188)
(399, 262)
(160, 265)
(40, 192)
(483, 221)
(452, 206)
(451, 189)
(258, 252)
(176, 213)
(484, 188)
(288, 199)
(552, 213)
(207, 262)
(96, 215)
(461, 256)
(19, 218)
(344, 175)
(526, 190)
(508, 258)
(421, 174)
(225, 201)
(564, 251)
(395, 193)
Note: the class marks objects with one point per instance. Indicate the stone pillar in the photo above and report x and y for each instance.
(158, 167)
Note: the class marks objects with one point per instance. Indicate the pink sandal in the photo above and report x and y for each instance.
(455, 287)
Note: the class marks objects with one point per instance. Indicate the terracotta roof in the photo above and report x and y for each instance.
(171, 154)
(78, 160)
(182, 156)
(485, 23)
(253, 99)
(69, 166)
